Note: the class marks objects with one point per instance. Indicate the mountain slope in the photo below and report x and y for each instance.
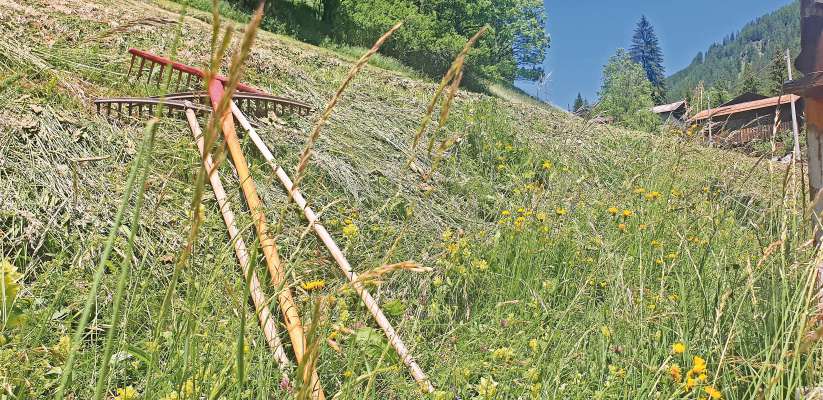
(755, 44)
(567, 258)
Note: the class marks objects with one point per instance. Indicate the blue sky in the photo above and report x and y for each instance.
(586, 32)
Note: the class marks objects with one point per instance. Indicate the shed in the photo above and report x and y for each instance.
(674, 112)
(741, 122)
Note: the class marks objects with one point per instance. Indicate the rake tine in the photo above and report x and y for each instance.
(151, 71)
(140, 71)
(131, 65)
(160, 75)
(108, 109)
(120, 108)
(131, 105)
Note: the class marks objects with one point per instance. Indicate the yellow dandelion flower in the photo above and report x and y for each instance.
(642, 227)
(447, 235)
(656, 244)
(690, 384)
(560, 211)
(541, 216)
(505, 213)
(613, 210)
(532, 375)
(702, 377)
(699, 364)
(521, 210)
(627, 213)
(639, 190)
(678, 348)
(621, 227)
(713, 393)
(313, 285)
(533, 343)
(547, 165)
(676, 373)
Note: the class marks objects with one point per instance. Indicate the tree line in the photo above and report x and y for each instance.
(434, 32)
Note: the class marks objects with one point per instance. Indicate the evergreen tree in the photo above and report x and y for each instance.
(579, 103)
(646, 51)
(748, 80)
(777, 75)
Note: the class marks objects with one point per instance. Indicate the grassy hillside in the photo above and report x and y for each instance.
(755, 45)
(570, 260)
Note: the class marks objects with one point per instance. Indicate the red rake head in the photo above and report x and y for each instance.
(187, 73)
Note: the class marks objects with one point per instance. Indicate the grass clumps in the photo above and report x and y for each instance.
(555, 259)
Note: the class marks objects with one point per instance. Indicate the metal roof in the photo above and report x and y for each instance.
(748, 106)
(668, 107)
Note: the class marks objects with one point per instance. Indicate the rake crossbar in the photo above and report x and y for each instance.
(129, 104)
(314, 221)
(259, 299)
(291, 318)
(199, 74)
(254, 103)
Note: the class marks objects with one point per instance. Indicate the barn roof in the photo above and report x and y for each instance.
(668, 107)
(747, 106)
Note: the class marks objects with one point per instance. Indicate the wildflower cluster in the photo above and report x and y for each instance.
(695, 378)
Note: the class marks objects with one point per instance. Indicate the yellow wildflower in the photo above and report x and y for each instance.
(642, 227)
(621, 227)
(699, 364)
(617, 371)
(480, 265)
(560, 211)
(505, 213)
(671, 256)
(532, 375)
(547, 165)
(627, 213)
(639, 190)
(676, 373)
(11, 279)
(656, 244)
(713, 393)
(678, 348)
(541, 216)
(690, 384)
(607, 333)
(651, 196)
(533, 344)
(126, 393)
(447, 235)
(313, 285)
(503, 353)
(350, 230)
(487, 387)
(702, 377)
(521, 210)
(613, 210)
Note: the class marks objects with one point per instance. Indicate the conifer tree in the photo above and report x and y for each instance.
(645, 50)
(579, 103)
(777, 74)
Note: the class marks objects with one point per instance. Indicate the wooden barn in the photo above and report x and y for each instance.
(672, 113)
(748, 117)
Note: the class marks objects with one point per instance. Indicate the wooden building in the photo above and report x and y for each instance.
(672, 113)
(748, 117)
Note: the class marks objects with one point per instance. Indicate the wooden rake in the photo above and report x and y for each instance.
(175, 74)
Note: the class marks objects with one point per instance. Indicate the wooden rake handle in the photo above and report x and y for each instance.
(257, 295)
(291, 318)
(395, 340)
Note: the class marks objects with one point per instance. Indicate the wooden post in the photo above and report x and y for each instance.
(796, 131)
(810, 87)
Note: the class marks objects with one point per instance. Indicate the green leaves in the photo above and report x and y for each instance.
(626, 94)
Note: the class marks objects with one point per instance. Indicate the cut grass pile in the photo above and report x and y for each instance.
(571, 261)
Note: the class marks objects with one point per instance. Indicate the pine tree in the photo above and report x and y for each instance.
(579, 103)
(646, 51)
(777, 75)
(748, 80)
